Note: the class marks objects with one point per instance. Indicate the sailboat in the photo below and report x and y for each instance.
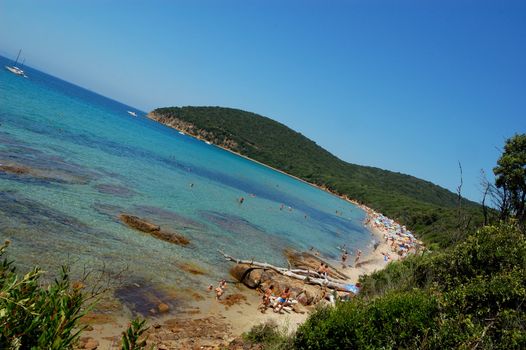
(16, 70)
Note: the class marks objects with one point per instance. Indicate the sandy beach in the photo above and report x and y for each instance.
(212, 324)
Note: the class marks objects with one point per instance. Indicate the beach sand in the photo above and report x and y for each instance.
(209, 324)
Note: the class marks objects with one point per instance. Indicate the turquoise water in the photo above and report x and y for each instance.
(89, 160)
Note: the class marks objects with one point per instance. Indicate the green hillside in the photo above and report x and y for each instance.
(430, 210)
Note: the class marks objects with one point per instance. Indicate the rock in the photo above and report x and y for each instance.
(238, 271)
(232, 299)
(253, 278)
(88, 343)
(192, 268)
(88, 328)
(14, 169)
(171, 237)
(162, 307)
(92, 344)
(78, 285)
(139, 224)
(304, 299)
(248, 275)
(156, 325)
(305, 260)
(153, 229)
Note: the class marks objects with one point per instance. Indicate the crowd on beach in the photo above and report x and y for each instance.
(283, 300)
(400, 240)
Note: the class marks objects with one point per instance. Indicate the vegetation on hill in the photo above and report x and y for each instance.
(428, 209)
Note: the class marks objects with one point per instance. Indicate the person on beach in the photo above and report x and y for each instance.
(265, 303)
(282, 300)
(344, 259)
(220, 290)
(222, 284)
(323, 270)
(219, 293)
(358, 255)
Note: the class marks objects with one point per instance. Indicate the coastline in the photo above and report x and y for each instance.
(211, 324)
(206, 323)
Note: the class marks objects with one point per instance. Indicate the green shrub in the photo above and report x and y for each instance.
(269, 336)
(131, 338)
(469, 296)
(397, 320)
(35, 317)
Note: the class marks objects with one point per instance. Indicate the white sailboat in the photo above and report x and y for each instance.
(16, 70)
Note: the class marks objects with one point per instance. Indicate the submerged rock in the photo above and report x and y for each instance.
(116, 190)
(192, 268)
(162, 307)
(171, 237)
(148, 299)
(23, 172)
(14, 169)
(153, 229)
(139, 224)
(88, 343)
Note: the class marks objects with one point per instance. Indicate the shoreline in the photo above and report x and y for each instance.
(206, 323)
(212, 324)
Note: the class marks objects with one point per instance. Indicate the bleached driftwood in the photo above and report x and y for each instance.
(299, 274)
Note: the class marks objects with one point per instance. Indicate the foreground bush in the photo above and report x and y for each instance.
(397, 320)
(37, 317)
(269, 336)
(470, 296)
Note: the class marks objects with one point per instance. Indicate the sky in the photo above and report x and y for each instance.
(410, 86)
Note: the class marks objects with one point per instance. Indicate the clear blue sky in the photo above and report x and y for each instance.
(409, 86)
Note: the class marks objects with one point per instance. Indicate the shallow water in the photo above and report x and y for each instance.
(86, 160)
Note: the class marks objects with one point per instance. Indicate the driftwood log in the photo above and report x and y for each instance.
(306, 276)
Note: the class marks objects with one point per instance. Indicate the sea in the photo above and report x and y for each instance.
(83, 160)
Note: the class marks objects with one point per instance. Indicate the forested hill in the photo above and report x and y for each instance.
(430, 210)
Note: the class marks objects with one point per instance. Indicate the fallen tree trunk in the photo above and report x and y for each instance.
(303, 275)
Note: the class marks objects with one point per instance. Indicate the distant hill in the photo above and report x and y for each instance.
(430, 210)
